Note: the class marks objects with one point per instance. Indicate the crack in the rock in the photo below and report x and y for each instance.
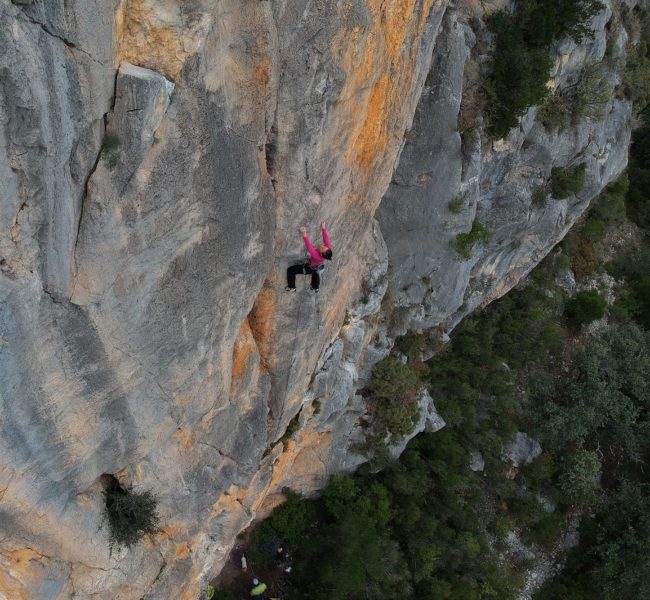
(52, 296)
(66, 41)
(84, 195)
(238, 135)
(218, 451)
(160, 571)
(14, 225)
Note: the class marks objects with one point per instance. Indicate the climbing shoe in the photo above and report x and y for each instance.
(289, 289)
(315, 290)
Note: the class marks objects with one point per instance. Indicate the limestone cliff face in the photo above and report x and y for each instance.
(157, 158)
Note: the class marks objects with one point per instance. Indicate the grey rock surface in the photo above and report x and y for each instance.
(522, 450)
(429, 421)
(444, 182)
(476, 462)
(157, 161)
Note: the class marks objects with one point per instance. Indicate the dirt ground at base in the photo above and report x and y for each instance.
(240, 582)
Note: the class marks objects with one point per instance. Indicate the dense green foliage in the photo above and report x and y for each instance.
(393, 391)
(465, 241)
(457, 204)
(637, 67)
(638, 196)
(587, 99)
(603, 398)
(519, 74)
(392, 406)
(521, 56)
(585, 307)
(613, 559)
(565, 182)
(634, 300)
(130, 515)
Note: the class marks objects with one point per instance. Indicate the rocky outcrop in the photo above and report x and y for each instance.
(445, 180)
(158, 158)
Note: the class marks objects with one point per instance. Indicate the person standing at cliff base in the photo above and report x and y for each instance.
(259, 588)
(316, 263)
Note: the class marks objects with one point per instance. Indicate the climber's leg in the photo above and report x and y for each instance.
(292, 271)
(315, 280)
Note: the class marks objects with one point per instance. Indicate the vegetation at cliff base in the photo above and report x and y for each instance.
(393, 390)
(585, 307)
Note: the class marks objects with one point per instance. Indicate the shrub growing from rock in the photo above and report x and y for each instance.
(110, 151)
(565, 182)
(457, 204)
(130, 515)
(538, 197)
(465, 241)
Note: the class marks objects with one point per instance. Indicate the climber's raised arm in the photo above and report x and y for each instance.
(315, 255)
(326, 237)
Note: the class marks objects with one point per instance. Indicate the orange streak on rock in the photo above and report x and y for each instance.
(244, 347)
(380, 67)
(181, 551)
(10, 587)
(347, 280)
(184, 437)
(153, 34)
(24, 555)
(260, 321)
(374, 131)
(17, 566)
(395, 21)
(285, 468)
(262, 71)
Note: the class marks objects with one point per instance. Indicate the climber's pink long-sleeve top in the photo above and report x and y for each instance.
(316, 259)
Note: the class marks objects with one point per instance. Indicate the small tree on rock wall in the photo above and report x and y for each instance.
(130, 514)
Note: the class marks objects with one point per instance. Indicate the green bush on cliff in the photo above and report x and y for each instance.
(567, 181)
(519, 74)
(586, 99)
(465, 241)
(130, 515)
(110, 151)
(522, 62)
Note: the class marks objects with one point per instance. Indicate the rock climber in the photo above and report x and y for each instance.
(259, 588)
(316, 263)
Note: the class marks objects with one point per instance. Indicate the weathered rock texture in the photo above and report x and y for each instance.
(157, 158)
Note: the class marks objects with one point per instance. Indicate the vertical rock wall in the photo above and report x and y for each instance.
(158, 158)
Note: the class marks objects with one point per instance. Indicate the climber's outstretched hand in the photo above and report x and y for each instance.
(303, 230)
(322, 224)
